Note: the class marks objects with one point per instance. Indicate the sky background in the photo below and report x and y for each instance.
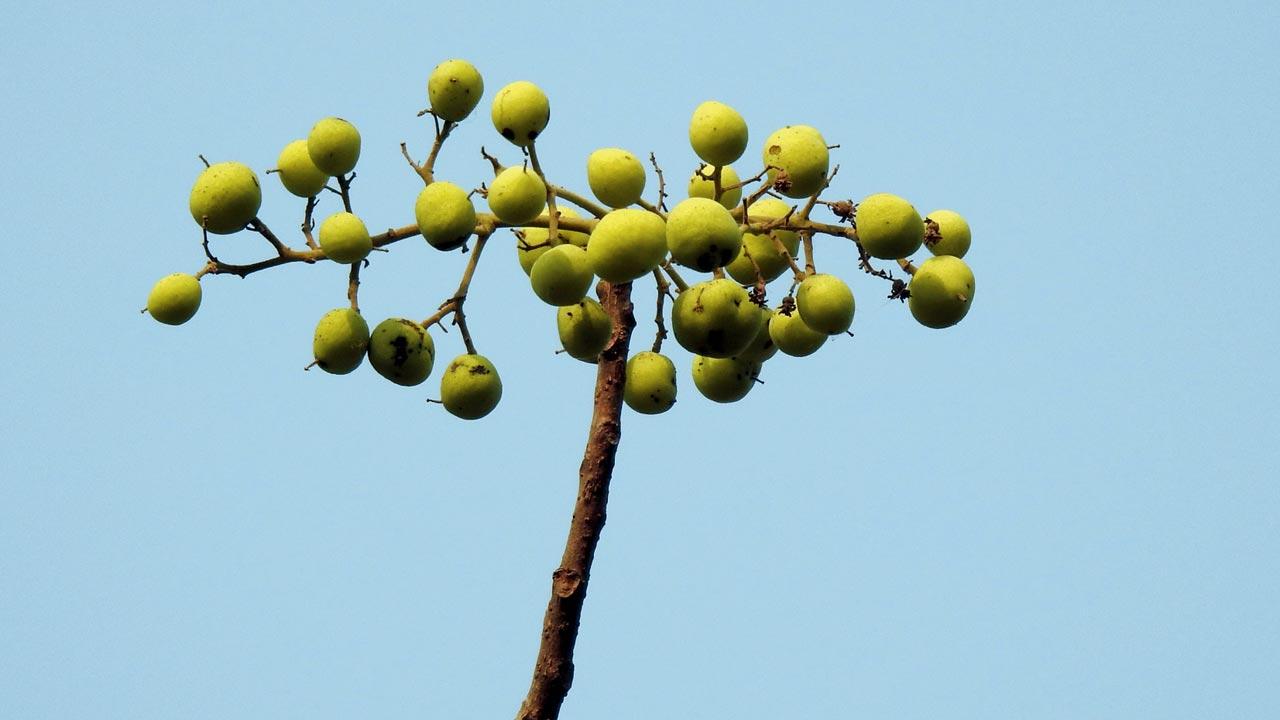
(1064, 507)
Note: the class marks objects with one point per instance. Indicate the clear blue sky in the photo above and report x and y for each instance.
(1064, 507)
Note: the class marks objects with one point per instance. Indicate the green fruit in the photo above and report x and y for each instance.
(626, 244)
(761, 247)
(700, 185)
(715, 318)
(334, 146)
(297, 173)
(889, 228)
(825, 303)
(701, 234)
(225, 198)
(402, 351)
(954, 232)
(517, 195)
(470, 387)
(561, 276)
(792, 336)
(521, 112)
(344, 238)
(341, 341)
(446, 217)
(650, 384)
(615, 176)
(585, 329)
(717, 133)
(174, 299)
(531, 242)
(800, 151)
(762, 347)
(454, 89)
(724, 380)
(941, 291)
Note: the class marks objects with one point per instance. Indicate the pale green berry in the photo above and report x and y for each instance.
(941, 291)
(470, 387)
(724, 380)
(650, 386)
(344, 238)
(717, 133)
(701, 185)
(825, 303)
(626, 244)
(889, 227)
(801, 152)
(715, 318)
(792, 336)
(953, 232)
(174, 299)
(701, 234)
(454, 89)
(585, 329)
(297, 173)
(521, 112)
(225, 197)
(446, 217)
(616, 177)
(760, 246)
(402, 351)
(334, 146)
(561, 276)
(517, 195)
(532, 242)
(341, 341)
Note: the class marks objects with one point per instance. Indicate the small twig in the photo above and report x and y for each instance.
(206, 162)
(344, 185)
(309, 223)
(353, 284)
(662, 184)
(813, 199)
(552, 215)
(429, 167)
(806, 238)
(664, 290)
(261, 228)
(670, 269)
(454, 304)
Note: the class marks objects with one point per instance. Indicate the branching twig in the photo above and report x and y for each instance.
(662, 182)
(454, 304)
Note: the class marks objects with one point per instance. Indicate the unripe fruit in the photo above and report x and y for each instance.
(701, 234)
(717, 133)
(225, 197)
(470, 387)
(651, 383)
(521, 112)
(626, 244)
(762, 347)
(402, 351)
(517, 195)
(715, 318)
(585, 329)
(344, 238)
(825, 304)
(531, 242)
(446, 217)
(561, 276)
(454, 89)
(955, 233)
(341, 341)
(941, 291)
(761, 246)
(616, 177)
(701, 186)
(297, 173)
(889, 227)
(174, 299)
(334, 146)
(724, 380)
(802, 153)
(792, 336)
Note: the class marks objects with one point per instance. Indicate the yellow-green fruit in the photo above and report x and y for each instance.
(334, 146)
(454, 89)
(402, 351)
(802, 153)
(954, 232)
(715, 318)
(532, 242)
(724, 380)
(446, 217)
(889, 227)
(941, 291)
(561, 276)
(702, 235)
(585, 329)
(521, 112)
(651, 383)
(341, 341)
(762, 347)
(825, 303)
(616, 177)
(470, 387)
(761, 247)
(701, 185)
(517, 195)
(792, 336)
(344, 238)
(626, 244)
(225, 197)
(297, 173)
(717, 133)
(174, 299)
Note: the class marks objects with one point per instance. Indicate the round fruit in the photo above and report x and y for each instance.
(174, 299)
(715, 318)
(626, 244)
(517, 195)
(297, 173)
(954, 230)
(470, 387)
(800, 151)
(334, 146)
(402, 351)
(446, 217)
(615, 176)
(702, 234)
(344, 238)
(761, 247)
(724, 380)
(341, 341)
(700, 185)
(520, 112)
(561, 276)
(717, 133)
(941, 291)
(532, 242)
(651, 383)
(454, 88)
(585, 329)
(762, 347)
(889, 228)
(792, 336)
(825, 304)
(225, 198)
